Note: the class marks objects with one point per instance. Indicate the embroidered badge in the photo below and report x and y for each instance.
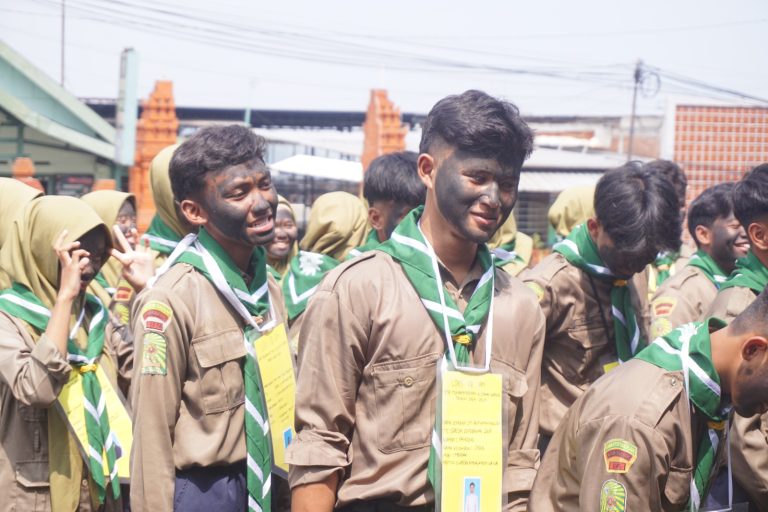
(613, 497)
(123, 313)
(619, 455)
(309, 263)
(154, 355)
(124, 293)
(537, 289)
(156, 315)
(663, 306)
(660, 327)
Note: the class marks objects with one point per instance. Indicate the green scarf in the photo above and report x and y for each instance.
(306, 271)
(162, 238)
(371, 242)
(581, 252)
(211, 260)
(711, 269)
(111, 290)
(274, 273)
(505, 254)
(690, 345)
(408, 247)
(663, 264)
(750, 273)
(21, 303)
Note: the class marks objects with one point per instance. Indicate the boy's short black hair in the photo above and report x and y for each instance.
(480, 125)
(673, 173)
(750, 196)
(712, 204)
(210, 150)
(639, 211)
(395, 177)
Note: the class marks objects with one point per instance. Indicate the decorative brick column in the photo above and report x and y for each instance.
(383, 127)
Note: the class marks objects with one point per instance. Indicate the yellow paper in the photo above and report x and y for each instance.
(71, 402)
(472, 455)
(279, 384)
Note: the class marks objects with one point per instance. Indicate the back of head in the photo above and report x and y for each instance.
(394, 177)
(673, 173)
(160, 183)
(714, 203)
(639, 211)
(336, 225)
(572, 207)
(28, 256)
(210, 151)
(750, 197)
(480, 125)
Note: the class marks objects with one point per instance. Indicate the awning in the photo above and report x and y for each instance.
(320, 167)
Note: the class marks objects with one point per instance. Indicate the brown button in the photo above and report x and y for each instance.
(85, 483)
(408, 381)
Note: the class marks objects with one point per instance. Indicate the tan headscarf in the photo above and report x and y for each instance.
(523, 244)
(30, 260)
(572, 207)
(14, 195)
(162, 194)
(336, 225)
(283, 264)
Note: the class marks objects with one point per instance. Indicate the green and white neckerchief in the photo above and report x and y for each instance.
(707, 265)
(663, 264)
(688, 349)
(581, 252)
(305, 272)
(417, 258)
(371, 242)
(274, 273)
(111, 290)
(252, 302)
(21, 303)
(506, 254)
(161, 237)
(750, 273)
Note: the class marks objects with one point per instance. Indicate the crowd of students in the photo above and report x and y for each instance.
(622, 372)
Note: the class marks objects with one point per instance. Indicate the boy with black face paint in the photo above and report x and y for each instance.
(366, 390)
(593, 309)
(721, 241)
(194, 392)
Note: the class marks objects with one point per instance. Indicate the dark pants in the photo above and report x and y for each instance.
(219, 489)
(383, 506)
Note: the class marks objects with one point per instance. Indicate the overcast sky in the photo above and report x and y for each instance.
(548, 57)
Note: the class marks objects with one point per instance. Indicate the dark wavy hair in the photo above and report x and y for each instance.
(750, 196)
(395, 177)
(712, 204)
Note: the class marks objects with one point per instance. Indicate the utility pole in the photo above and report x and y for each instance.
(63, 17)
(638, 76)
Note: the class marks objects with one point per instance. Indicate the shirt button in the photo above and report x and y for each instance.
(85, 483)
(408, 381)
(673, 382)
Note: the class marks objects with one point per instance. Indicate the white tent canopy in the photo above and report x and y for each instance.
(320, 167)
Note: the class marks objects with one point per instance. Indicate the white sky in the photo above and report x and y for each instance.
(396, 45)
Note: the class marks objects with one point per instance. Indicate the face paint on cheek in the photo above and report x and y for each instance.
(454, 198)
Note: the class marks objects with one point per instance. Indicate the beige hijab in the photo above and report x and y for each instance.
(14, 195)
(281, 265)
(572, 207)
(523, 244)
(336, 225)
(162, 193)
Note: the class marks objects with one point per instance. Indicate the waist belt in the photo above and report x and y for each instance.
(383, 506)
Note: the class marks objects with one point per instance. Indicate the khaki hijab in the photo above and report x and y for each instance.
(14, 195)
(336, 225)
(572, 207)
(162, 193)
(523, 244)
(281, 265)
(30, 260)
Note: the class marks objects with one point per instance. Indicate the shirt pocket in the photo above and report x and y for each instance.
(677, 489)
(515, 386)
(220, 357)
(404, 394)
(586, 351)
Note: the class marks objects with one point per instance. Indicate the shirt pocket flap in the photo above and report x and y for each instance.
(678, 487)
(515, 383)
(32, 474)
(220, 347)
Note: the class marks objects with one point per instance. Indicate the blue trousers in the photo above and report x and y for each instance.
(219, 489)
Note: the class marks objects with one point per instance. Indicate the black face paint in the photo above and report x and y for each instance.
(286, 233)
(729, 243)
(95, 243)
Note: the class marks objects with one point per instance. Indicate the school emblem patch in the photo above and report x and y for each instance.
(154, 354)
(156, 316)
(613, 497)
(619, 455)
(537, 289)
(663, 306)
(660, 327)
(124, 293)
(123, 313)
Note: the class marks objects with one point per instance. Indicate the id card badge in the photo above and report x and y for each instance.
(278, 383)
(471, 437)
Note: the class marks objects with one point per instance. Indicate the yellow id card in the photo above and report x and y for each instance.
(278, 381)
(472, 454)
(71, 401)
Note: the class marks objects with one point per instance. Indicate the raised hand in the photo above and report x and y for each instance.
(138, 264)
(73, 261)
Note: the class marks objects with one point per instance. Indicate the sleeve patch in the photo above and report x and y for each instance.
(154, 355)
(613, 497)
(619, 455)
(663, 306)
(537, 289)
(124, 293)
(156, 316)
(660, 327)
(123, 313)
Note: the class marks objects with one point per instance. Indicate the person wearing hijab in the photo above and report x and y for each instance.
(51, 328)
(282, 249)
(14, 195)
(511, 249)
(167, 227)
(336, 226)
(572, 207)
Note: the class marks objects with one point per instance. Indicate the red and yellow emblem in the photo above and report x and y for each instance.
(663, 306)
(156, 316)
(619, 455)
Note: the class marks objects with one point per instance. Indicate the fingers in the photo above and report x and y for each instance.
(122, 257)
(120, 237)
(59, 242)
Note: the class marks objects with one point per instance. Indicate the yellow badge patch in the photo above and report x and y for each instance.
(537, 289)
(154, 354)
(124, 293)
(660, 327)
(663, 306)
(123, 313)
(619, 455)
(613, 497)
(156, 316)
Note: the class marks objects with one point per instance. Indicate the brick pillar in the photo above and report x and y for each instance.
(383, 128)
(23, 169)
(156, 128)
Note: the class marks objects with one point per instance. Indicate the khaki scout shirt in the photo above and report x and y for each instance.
(366, 388)
(681, 299)
(188, 393)
(679, 264)
(749, 436)
(32, 375)
(580, 344)
(640, 410)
